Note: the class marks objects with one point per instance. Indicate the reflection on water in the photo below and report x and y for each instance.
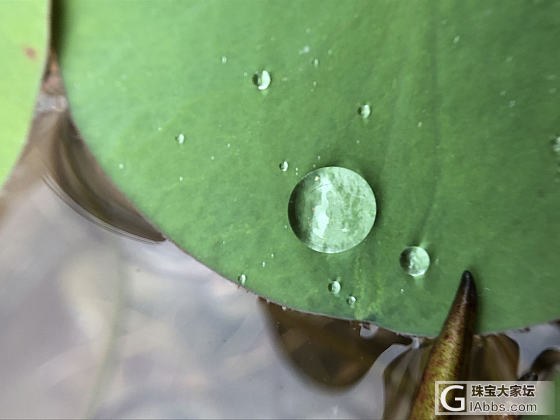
(100, 317)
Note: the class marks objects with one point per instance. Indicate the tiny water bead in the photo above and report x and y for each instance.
(351, 301)
(415, 261)
(262, 80)
(283, 166)
(315, 62)
(242, 279)
(332, 209)
(180, 138)
(334, 287)
(224, 59)
(364, 111)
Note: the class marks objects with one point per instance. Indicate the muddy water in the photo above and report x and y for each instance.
(101, 317)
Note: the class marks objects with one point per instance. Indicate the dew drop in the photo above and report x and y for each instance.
(415, 261)
(402, 291)
(263, 264)
(180, 138)
(511, 103)
(334, 287)
(224, 59)
(228, 145)
(364, 111)
(272, 255)
(180, 179)
(351, 301)
(333, 213)
(212, 157)
(329, 51)
(367, 331)
(262, 80)
(283, 166)
(242, 279)
(419, 124)
(315, 62)
(456, 39)
(121, 165)
(314, 83)
(305, 49)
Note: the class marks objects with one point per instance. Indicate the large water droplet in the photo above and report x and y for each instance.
(283, 166)
(262, 80)
(415, 261)
(180, 138)
(334, 287)
(332, 209)
(364, 111)
(242, 279)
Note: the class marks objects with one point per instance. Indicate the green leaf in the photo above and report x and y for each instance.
(456, 141)
(23, 47)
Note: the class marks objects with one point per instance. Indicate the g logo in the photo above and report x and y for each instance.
(443, 398)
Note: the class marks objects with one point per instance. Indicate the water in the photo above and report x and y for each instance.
(364, 111)
(262, 80)
(315, 62)
(242, 279)
(180, 138)
(351, 301)
(415, 261)
(332, 209)
(119, 323)
(334, 287)
(283, 166)
(224, 59)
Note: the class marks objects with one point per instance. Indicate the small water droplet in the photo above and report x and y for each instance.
(556, 145)
(272, 255)
(332, 209)
(315, 62)
(284, 308)
(121, 165)
(415, 261)
(262, 80)
(305, 49)
(503, 93)
(245, 74)
(212, 157)
(357, 141)
(351, 301)
(283, 166)
(263, 264)
(419, 124)
(224, 59)
(367, 331)
(180, 179)
(307, 30)
(242, 279)
(318, 157)
(402, 291)
(334, 287)
(314, 165)
(159, 129)
(314, 83)
(180, 138)
(512, 103)
(329, 51)
(228, 145)
(456, 39)
(364, 111)
(285, 226)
